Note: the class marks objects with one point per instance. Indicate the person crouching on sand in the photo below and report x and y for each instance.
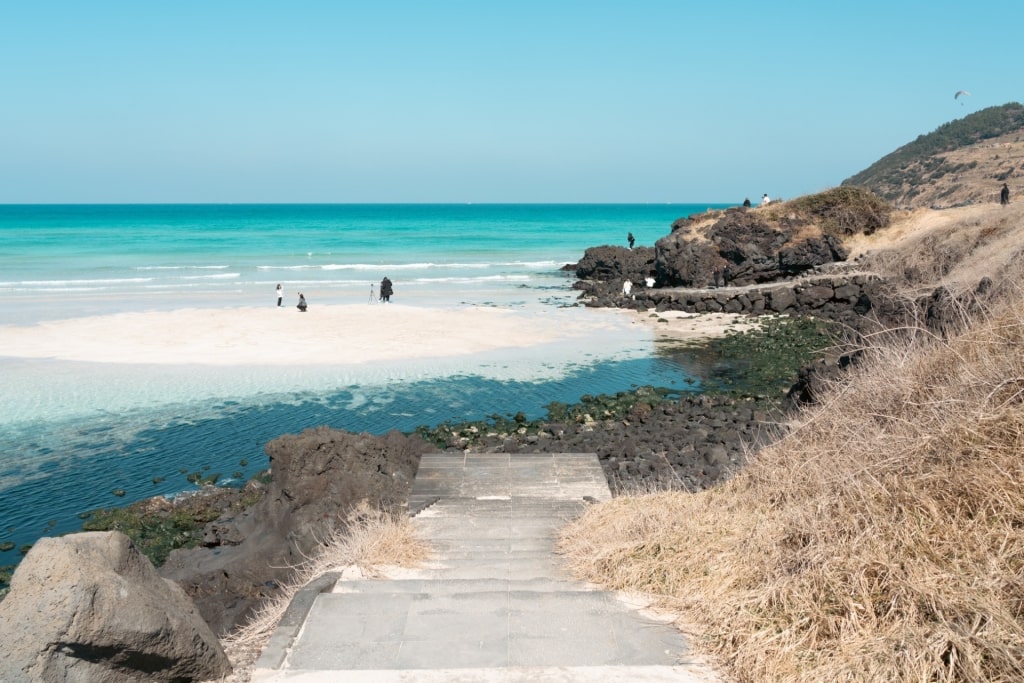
(302, 303)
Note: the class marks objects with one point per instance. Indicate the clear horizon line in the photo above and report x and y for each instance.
(439, 203)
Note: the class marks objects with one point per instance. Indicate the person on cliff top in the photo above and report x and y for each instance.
(1004, 195)
(765, 199)
(746, 203)
(631, 240)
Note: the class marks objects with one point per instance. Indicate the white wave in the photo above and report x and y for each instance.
(302, 267)
(378, 266)
(421, 265)
(219, 276)
(89, 282)
(536, 264)
(182, 267)
(37, 290)
(175, 286)
(483, 278)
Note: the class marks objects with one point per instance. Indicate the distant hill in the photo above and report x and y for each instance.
(959, 163)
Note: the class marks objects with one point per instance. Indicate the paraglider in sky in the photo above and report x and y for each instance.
(958, 94)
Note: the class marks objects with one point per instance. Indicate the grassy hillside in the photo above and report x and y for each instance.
(882, 538)
(961, 162)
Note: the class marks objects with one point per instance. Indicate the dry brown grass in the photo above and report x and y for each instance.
(881, 540)
(954, 248)
(370, 540)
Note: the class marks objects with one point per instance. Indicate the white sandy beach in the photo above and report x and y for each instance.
(325, 335)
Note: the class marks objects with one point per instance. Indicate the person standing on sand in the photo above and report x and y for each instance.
(1004, 195)
(385, 290)
(302, 303)
(280, 295)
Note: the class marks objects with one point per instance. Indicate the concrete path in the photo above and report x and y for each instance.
(492, 605)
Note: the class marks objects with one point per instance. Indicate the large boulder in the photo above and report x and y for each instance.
(684, 262)
(811, 252)
(615, 264)
(319, 477)
(322, 473)
(90, 608)
(744, 245)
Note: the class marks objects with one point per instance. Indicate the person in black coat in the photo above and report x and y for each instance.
(385, 290)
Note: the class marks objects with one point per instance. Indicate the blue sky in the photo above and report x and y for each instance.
(640, 101)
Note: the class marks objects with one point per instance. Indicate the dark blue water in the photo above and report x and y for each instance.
(229, 438)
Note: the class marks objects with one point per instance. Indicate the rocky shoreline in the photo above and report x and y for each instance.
(239, 553)
(648, 438)
(645, 439)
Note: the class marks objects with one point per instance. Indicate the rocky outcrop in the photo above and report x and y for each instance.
(838, 297)
(90, 607)
(744, 248)
(319, 476)
(736, 247)
(616, 264)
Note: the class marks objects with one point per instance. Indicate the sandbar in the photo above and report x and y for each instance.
(324, 335)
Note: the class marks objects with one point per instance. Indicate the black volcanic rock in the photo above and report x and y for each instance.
(607, 263)
(745, 247)
(319, 476)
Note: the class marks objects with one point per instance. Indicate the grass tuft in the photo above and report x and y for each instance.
(370, 540)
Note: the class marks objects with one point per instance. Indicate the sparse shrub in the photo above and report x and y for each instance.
(844, 211)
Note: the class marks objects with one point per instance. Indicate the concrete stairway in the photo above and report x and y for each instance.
(492, 604)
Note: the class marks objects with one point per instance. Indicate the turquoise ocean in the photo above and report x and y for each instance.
(73, 433)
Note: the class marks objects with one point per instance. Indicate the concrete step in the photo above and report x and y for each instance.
(492, 604)
(682, 673)
(452, 547)
(504, 569)
(498, 628)
(505, 503)
(461, 586)
(492, 549)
